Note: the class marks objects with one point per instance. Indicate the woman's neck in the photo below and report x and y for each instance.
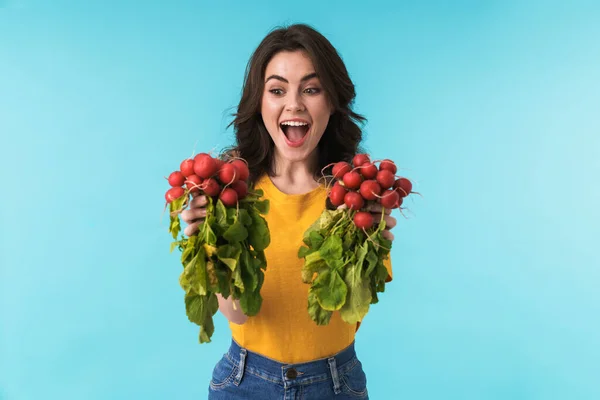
(294, 177)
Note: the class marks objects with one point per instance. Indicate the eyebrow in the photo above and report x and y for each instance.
(281, 78)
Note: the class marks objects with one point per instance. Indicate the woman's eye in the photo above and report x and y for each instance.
(277, 92)
(312, 90)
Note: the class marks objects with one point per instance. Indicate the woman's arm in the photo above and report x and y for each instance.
(236, 316)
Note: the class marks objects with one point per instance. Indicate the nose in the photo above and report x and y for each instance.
(295, 103)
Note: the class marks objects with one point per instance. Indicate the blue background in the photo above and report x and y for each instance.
(491, 107)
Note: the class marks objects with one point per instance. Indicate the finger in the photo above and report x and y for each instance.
(199, 201)
(192, 228)
(193, 214)
(388, 235)
(390, 222)
(376, 208)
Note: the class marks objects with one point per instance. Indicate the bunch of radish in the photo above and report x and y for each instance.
(212, 177)
(226, 256)
(363, 183)
(344, 249)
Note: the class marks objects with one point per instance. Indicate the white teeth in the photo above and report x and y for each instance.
(294, 123)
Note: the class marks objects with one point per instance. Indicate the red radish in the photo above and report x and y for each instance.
(386, 179)
(370, 190)
(176, 179)
(219, 162)
(228, 174)
(352, 180)
(388, 165)
(360, 159)
(211, 187)
(354, 200)
(368, 170)
(390, 199)
(340, 169)
(229, 197)
(337, 194)
(204, 165)
(241, 187)
(187, 167)
(404, 187)
(363, 220)
(193, 183)
(242, 169)
(174, 193)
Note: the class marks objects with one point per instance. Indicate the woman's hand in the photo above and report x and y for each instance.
(390, 221)
(194, 215)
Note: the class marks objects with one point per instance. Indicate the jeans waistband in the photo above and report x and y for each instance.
(328, 368)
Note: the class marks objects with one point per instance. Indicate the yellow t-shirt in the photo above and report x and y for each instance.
(283, 330)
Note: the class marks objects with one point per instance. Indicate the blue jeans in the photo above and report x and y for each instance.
(242, 374)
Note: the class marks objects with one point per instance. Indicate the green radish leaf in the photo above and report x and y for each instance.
(175, 226)
(174, 245)
(359, 295)
(200, 284)
(195, 272)
(221, 214)
(251, 302)
(262, 206)
(330, 290)
(229, 255)
(315, 239)
(231, 215)
(245, 217)
(381, 272)
(372, 260)
(331, 252)
(310, 268)
(211, 277)
(316, 312)
(237, 279)
(189, 249)
(325, 222)
(236, 232)
(348, 242)
(208, 328)
(184, 282)
(194, 306)
(249, 273)
(262, 259)
(209, 235)
(361, 253)
(304, 251)
(224, 277)
(258, 235)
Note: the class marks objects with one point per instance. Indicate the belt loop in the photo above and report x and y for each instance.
(242, 366)
(334, 375)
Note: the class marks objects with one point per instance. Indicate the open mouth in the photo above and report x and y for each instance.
(295, 132)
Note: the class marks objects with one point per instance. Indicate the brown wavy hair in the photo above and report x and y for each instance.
(342, 136)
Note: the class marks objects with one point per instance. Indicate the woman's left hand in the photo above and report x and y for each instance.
(390, 221)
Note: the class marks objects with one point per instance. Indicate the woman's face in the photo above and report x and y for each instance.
(295, 108)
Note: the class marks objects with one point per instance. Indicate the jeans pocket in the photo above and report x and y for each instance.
(223, 373)
(354, 381)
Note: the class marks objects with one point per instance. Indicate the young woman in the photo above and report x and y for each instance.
(294, 118)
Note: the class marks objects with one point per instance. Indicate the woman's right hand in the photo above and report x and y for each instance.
(194, 215)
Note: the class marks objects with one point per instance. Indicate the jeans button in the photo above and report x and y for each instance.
(291, 373)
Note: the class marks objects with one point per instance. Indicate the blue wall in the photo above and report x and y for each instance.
(488, 106)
